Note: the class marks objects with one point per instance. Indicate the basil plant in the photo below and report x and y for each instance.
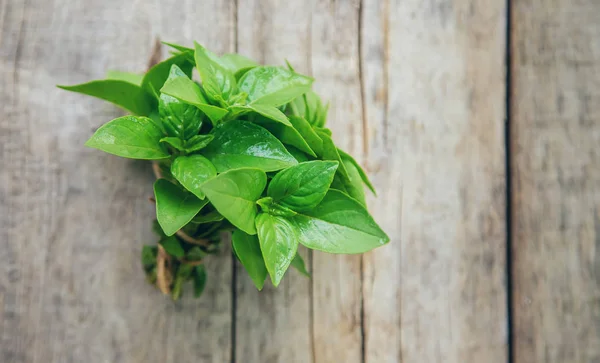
(246, 151)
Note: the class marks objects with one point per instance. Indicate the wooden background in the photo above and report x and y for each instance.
(477, 120)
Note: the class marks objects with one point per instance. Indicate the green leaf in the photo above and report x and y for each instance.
(348, 158)
(199, 280)
(218, 82)
(148, 256)
(267, 205)
(175, 142)
(173, 247)
(180, 119)
(133, 78)
(130, 137)
(289, 65)
(209, 217)
(240, 144)
(121, 93)
(192, 171)
(183, 273)
(303, 186)
(297, 154)
(247, 249)
(186, 90)
(298, 264)
(195, 143)
(198, 142)
(339, 224)
(305, 129)
(273, 86)
(159, 73)
(195, 254)
(278, 243)
(354, 186)
(320, 119)
(271, 113)
(234, 194)
(286, 134)
(330, 152)
(174, 206)
(178, 47)
(322, 131)
(311, 108)
(237, 64)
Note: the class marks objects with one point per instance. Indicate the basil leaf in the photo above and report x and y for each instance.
(278, 243)
(267, 205)
(159, 73)
(247, 249)
(298, 264)
(330, 152)
(148, 256)
(354, 185)
(198, 142)
(347, 157)
(132, 78)
(270, 112)
(243, 144)
(195, 254)
(213, 216)
(218, 82)
(130, 137)
(273, 86)
(297, 154)
(183, 273)
(234, 194)
(175, 142)
(178, 47)
(179, 118)
(320, 118)
(339, 224)
(174, 206)
(287, 134)
(303, 186)
(192, 171)
(310, 107)
(186, 90)
(306, 131)
(121, 93)
(322, 131)
(237, 64)
(199, 280)
(173, 247)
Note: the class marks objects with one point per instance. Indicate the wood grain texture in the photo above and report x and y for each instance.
(337, 301)
(433, 77)
(556, 180)
(274, 325)
(72, 220)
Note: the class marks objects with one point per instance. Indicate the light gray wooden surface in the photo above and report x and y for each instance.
(555, 142)
(418, 94)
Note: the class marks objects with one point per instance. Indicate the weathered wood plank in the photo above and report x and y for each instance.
(273, 325)
(434, 94)
(556, 180)
(337, 301)
(72, 219)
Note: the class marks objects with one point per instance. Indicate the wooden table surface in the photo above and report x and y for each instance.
(482, 142)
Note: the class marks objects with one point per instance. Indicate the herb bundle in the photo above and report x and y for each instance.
(245, 150)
